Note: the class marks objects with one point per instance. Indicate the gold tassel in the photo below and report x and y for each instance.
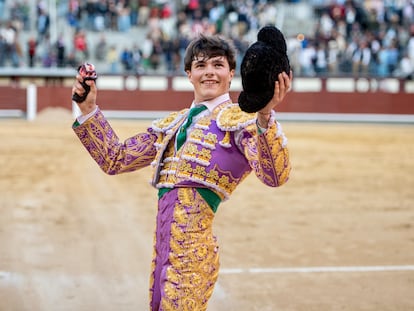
(225, 142)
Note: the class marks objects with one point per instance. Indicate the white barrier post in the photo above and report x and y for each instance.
(31, 102)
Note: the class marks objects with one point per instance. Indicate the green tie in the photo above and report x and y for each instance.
(210, 196)
(182, 134)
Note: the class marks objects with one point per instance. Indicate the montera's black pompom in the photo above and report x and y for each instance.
(263, 62)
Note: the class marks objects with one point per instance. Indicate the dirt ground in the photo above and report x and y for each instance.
(338, 236)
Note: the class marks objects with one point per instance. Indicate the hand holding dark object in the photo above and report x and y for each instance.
(282, 87)
(87, 72)
(261, 67)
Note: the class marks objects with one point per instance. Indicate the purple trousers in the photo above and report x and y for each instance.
(186, 262)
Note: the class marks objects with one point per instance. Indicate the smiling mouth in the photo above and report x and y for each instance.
(209, 82)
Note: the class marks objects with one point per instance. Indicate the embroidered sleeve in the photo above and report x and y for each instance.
(112, 155)
(267, 153)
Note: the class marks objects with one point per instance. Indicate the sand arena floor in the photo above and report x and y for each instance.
(72, 238)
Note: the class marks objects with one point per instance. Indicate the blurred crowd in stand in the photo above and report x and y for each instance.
(349, 37)
(361, 38)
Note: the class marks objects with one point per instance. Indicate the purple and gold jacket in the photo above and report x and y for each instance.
(221, 149)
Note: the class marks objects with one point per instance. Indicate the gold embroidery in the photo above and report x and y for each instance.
(199, 172)
(173, 276)
(232, 118)
(190, 150)
(205, 155)
(196, 134)
(185, 169)
(159, 139)
(193, 257)
(213, 175)
(225, 142)
(109, 152)
(274, 166)
(169, 121)
(224, 180)
(203, 123)
(210, 139)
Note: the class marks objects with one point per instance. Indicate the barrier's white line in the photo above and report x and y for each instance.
(317, 269)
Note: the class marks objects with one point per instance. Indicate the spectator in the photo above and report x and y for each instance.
(382, 59)
(241, 48)
(167, 21)
(320, 60)
(43, 22)
(19, 13)
(101, 21)
(170, 49)
(31, 51)
(127, 60)
(134, 6)
(350, 18)
(393, 57)
(124, 19)
(156, 54)
(351, 47)
(91, 13)
(143, 13)
(80, 45)
(136, 59)
(10, 46)
(406, 68)
(48, 53)
(408, 14)
(74, 13)
(146, 48)
(101, 48)
(361, 58)
(333, 57)
(326, 25)
(60, 51)
(193, 8)
(112, 15)
(307, 58)
(112, 59)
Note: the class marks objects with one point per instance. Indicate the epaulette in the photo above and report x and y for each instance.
(164, 124)
(232, 118)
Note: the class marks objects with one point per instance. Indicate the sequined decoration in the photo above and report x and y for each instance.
(193, 258)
